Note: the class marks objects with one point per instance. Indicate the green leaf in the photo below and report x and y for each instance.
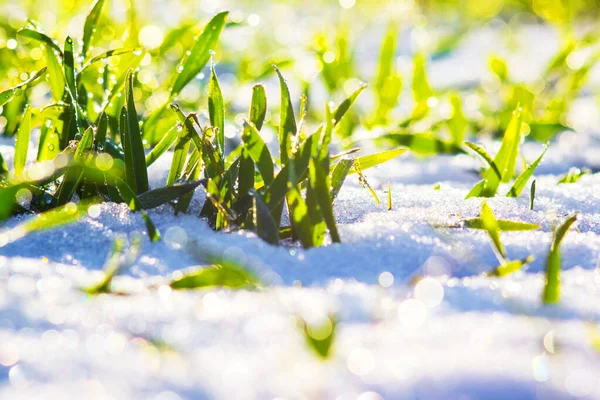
(3, 169)
(490, 224)
(182, 148)
(108, 54)
(266, 227)
(346, 104)
(553, 265)
(522, 179)
(9, 94)
(59, 216)
(388, 83)
(476, 190)
(373, 160)
(338, 176)
(532, 195)
(56, 77)
(22, 144)
(258, 106)
(224, 276)
(287, 124)
(131, 138)
(420, 86)
(157, 197)
(485, 155)
(320, 339)
(507, 156)
(319, 182)
(502, 224)
(298, 210)
(573, 175)
(69, 67)
(74, 175)
(216, 109)
(163, 145)
(200, 53)
(258, 150)
(458, 123)
(40, 37)
(510, 267)
(89, 28)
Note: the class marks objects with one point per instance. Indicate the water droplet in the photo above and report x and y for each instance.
(50, 147)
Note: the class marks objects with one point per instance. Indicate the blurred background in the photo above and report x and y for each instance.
(479, 58)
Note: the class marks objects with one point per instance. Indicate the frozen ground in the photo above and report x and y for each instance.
(455, 335)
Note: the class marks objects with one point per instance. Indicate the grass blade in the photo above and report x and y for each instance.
(503, 225)
(59, 216)
(118, 260)
(522, 179)
(485, 155)
(510, 267)
(89, 28)
(9, 94)
(22, 143)
(338, 176)
(553, 264)
(266, 227)
(157, 197)
(458, 123)
(320, 339)
(200, 53)
(163, 145)
(216, 109)
(423, 143)
(287, 124)
(258, 150)
(532, 195)
(490, 224)
(299, 215)
(135, 158)
(258, 106)
(69, 67)
(182, 148)
(346, 104)
(373, 160)
(56, 77)
(319, 182)
(222, 276)
(389, 207)
(40, 37)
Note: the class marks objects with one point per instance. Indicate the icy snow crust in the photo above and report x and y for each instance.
(457, 334)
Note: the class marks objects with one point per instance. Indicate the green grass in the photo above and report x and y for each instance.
(112, 105)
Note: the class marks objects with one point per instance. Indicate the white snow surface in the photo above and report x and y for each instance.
(457, 334)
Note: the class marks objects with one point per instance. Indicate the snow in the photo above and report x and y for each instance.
(456, 334)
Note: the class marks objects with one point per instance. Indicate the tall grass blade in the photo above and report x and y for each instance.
(258, 106)
(490, 224)
(216, 109)
(131, 138)
(319, 182)
(485, 155)
(338, 176)
(200, 53)
(266, 227)
(9, 94)
(551, 293)
(157, 197)
(532, 195)
(524, 177)
(258, 151)
(89, 28)
(287, 124)
(373, 160)
(22, 143)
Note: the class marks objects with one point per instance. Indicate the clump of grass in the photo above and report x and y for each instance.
(502, 167)
(492, 226)
(574, 175)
